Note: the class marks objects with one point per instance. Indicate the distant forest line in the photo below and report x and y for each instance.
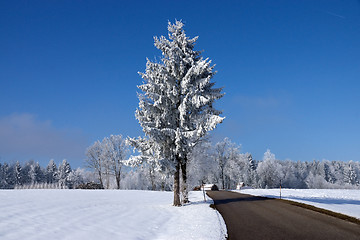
(221, 163)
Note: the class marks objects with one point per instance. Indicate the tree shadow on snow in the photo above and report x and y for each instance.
(199, 202)
(326, 200)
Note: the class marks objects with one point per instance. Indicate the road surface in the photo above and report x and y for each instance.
(251, 217)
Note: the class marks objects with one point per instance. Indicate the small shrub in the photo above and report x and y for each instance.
(90, 185)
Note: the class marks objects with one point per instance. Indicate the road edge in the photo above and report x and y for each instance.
(313, 208)
(220, 218)
(321, 210)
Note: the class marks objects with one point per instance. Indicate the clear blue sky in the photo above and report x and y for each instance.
(290, 71)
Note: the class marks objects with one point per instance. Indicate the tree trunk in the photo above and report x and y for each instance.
(117, 176)
(222, 177)
(107, 179)
(152, 178)
(184, 189)
(100, 178)
(177, 202)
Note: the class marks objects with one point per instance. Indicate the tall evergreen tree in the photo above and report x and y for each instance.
(176, 107)
(350, 175)
(35, 173)
(63, 173)
(1, 176)
(6, 176)
(51, 172)
(18, 174)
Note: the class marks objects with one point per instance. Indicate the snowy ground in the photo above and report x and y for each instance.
(336, 200)
(105, 214)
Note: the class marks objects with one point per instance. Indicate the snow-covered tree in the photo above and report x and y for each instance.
(350, 174)
(251, 170)
(107, 158)
(18, 174)
(76, 177)
(246, 166)
(114, 151)
(176, 107)
(227, 155)
(289, 172)
(202, 165)
(269, 171)
(301, 174)
(95, 161)
(326, 171)
(63, 174)
(2, 175)
(338, 167)
(316, 181)
(148, 165)
(35, 173)
(7, 179)
(51, 172)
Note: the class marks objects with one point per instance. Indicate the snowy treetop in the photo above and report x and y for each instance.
(176, 104)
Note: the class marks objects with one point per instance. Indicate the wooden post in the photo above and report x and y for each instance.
(280, 188)
(203, 187)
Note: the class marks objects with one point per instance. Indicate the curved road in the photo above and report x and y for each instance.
(251, 217)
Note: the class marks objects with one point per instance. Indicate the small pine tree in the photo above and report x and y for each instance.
(35, 173)
(18, 174)
(63, 173)
(6, 176)
(350, 175)
(51, 172)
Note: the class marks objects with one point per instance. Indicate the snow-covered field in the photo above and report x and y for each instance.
(336, 200)
(105, 214)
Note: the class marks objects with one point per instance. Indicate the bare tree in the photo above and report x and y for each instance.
(227, 156)
(94, 160)
(115, 151)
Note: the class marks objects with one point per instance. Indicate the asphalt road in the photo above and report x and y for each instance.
(251, 217)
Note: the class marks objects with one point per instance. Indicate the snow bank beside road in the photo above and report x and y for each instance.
(337, 200)
(104, 214)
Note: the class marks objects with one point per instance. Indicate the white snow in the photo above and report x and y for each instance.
(337, 200)
(105, 214)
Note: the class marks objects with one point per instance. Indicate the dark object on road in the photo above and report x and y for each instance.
(90, 185)
(197, 188)
(210, 187)
(251, 217)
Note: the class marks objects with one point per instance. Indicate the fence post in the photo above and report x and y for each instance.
(203, 190)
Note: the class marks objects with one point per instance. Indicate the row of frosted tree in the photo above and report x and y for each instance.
(31, 175)
(221, 163)
(224, 164)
